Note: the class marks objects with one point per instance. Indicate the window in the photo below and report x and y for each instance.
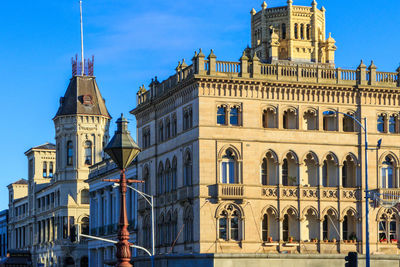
(345, 228)
(308, 32)
(349, 172)
(348, 123)
(146, 179)
(70, 153)
(283, 31)
(187, 169)
(234, 116)
(325, 233)
(310, 120)
(174, 174)
(51, 170)
(161, 132)
(264, 172)
(229, 168)
(145, 137)
(229, 223)
(387, 173)
(290, 119)
(329, 122)
(381, 123)
(265, 233)
(174, 125)
(88, 153)
(393, 124)
(85, 226)
(290, 170)
(312, 169)
(296, 31)
(269, 118)
(329, 172)
(269, 169)
(302, 32)
(44, 169)
(167, 129)
(221, 115)
(285, 227)
(188, 221)
(85, 196)
(160, 179)
(387, 226)
(187, 118)
(30, 168)
(168, 177)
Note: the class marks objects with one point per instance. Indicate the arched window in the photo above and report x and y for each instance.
(325, 235)
(221, 115)
(269, 170)
(167, 129)
(290, 170)
(161, 230)
(329, 122)
(168, 182)
(269, 118)
(188, 221)
(187, 170)
(174, 174)
(311, 163)
(330, 226)
(388, 176)
(44, 169)
(296, 31)
(51, 170)
(349, 172)
(160, 179)
(234, 116)
(393, 124)
(161, 132)
(290, 119)
(85, 226)
(329, 172)
(310, 120)
(146, 226)
(187, 118)
(168, 228)
(229, 172)
(348, 123)
(70, 153)
(285, 227)
(308, 32)
(85, 196)
(387, 226)
(88, 153)
(174, 125)
(230, 223)
(381, 123)
(146, 179)
(283, 31)
(302, 32)
(265, 233)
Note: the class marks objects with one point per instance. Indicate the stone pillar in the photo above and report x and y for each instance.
(372, 73)
(340, 177)
(362, 74)
(244, 65)
(212, 61)
(320, 120)
(256, 67)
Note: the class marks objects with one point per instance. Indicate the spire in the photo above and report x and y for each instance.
(314, 3)
(82, 55)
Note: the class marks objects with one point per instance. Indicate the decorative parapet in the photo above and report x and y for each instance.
(253, 68)
(230, 191)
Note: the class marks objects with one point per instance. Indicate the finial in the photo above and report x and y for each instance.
(372, 66)
(264, 5)
(255, 57)
(212, 55)
(314, 3)
(244, 57)
(201, 53)
(253, 11)
(289, 2)
(323, 9)
(183, 65)
(362, 65)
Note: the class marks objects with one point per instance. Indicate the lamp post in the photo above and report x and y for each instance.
(122, 150)
(364, 127)
(150, 200)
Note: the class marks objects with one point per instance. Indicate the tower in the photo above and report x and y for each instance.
(291, 34)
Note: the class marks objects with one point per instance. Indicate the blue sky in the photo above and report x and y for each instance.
(134, 41)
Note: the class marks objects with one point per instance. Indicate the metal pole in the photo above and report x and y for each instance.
(82, 56)
(123, 248)
(152, 231)
(367, 258)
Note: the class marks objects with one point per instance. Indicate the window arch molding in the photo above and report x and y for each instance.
(313, 155)
(269, 168)
(292, 154)
(388, 170)
(391, 155)
(266, 120)
(289, 210)
(314, 212)
(269, 208)
(387, 213)
(353, 158)
(232, 216)
(334, 211)
(331, 155)
(350, 210)
(236, 161)
(272, 154)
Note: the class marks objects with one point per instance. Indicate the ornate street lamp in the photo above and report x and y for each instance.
(122, 149)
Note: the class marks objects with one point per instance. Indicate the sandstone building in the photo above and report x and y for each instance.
(45, 209)
(244, 159)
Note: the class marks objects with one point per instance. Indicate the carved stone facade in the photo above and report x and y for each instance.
(263, 168)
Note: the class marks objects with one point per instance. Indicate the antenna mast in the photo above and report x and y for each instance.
(82, 56)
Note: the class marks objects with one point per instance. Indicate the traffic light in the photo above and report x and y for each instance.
(351, 259)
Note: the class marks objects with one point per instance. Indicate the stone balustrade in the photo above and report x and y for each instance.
(230, 191)
(253, 68)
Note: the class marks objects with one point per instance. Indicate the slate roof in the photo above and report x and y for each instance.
(45, 146)
(82, 97)
(21, 181)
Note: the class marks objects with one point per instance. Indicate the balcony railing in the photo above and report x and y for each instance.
(185, 193)
(230, 191)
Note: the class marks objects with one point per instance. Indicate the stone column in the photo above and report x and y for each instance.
(340, 176)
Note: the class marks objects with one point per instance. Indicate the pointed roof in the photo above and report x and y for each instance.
(45, 146)
(82, 97)
(21, 181)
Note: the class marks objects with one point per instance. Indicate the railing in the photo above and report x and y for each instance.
(248, 68)
(311, 193)
(226, 66)
(230, 191)
(185, 192)
(269, 191)
(389, 194)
